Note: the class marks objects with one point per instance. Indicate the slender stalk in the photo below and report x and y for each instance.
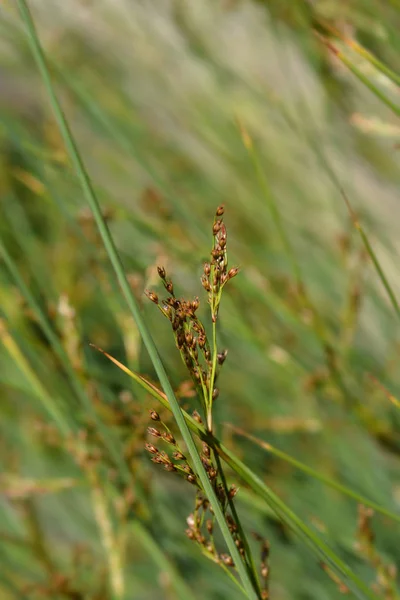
(127, 292)
(372, 255)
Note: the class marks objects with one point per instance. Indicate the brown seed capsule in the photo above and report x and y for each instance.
(154, 416)
(176, 323)
(180, 339)
(152, 296)
(222, 241)
(222, 356)
(154, 432)
(195, 304)
(206, 284)
(264, 571)
(169, 287)
(206, 450)
(178, 455)
(150, 448)
(233, 490)
(212, 473)
(161, 272)
(233, 272)
(196, 416)
(207, 269)
(169, 438)
(227, 560)
(169, 467)
(220, 210)
(191, 478)
(210, 526)
(215, 393)
(190, 534)
(217, 227)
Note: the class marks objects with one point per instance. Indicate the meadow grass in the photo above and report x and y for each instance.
(305, 323)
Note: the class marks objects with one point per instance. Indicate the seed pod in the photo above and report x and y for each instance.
(154, 432)
(207, 269)
(169, 438)
(152, 296)
(178, 455)
(191, 479)
(220, 210)
(222, 356)
(196, 416)
(227, 560)
(175, 323)
(217, 227)
(233, 490)
(154, 416)
(169, 287)
(206, 284)
(210, 526)
(212, 473)
(161, 272)
(233, 272)
(150, 448)
(206, 450)
(215, 393)
(190, 534)
(195, 304)
(169, 467)
(222, 241)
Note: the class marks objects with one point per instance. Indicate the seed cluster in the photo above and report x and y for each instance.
(203, 360)
(200, 357)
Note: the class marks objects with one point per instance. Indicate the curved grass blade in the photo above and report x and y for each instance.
(127, 292)
(356, 71)
(315, 474)
(257, 485)
(372, 255)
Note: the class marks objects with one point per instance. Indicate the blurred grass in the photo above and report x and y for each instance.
(153, 93)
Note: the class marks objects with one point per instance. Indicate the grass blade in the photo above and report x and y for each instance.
(316, 475)
(126, 290)
(372, 255)
(358, 73)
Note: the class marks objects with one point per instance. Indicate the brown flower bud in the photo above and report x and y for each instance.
(222, 356)
(217, 227)
(152, 296)
(233, 272)
(154, 432)
(169, 287)
(191, 479)
(161, 272)
(169, 467)
(210, 526)
(227, 560)
(150, 448)
(169, 438)
(233, 490)
(206, 284)
(207, 268)
(154, 416)
(220, 210)
(197, 417)
(178, 455)
(215, 393)
(190, 534)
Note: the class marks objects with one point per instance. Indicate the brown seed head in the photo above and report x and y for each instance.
(152, 296)
(222, 356)
(207, 269)
(169, 467)
(227, 560)
(191, 478)
(197, 417)
(161, 272)
(169, 287)
(178, 455)
(169, 438)
(154, 416)
(220, 210)
(212, 473)
(190, 534)
(206, 284)
(233, 490)
(210, 526)
(233, 272)
(154, 432)
(217, 227)
(150, 448)
(215, 393)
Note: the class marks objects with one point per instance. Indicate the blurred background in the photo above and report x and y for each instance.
(178, 107)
